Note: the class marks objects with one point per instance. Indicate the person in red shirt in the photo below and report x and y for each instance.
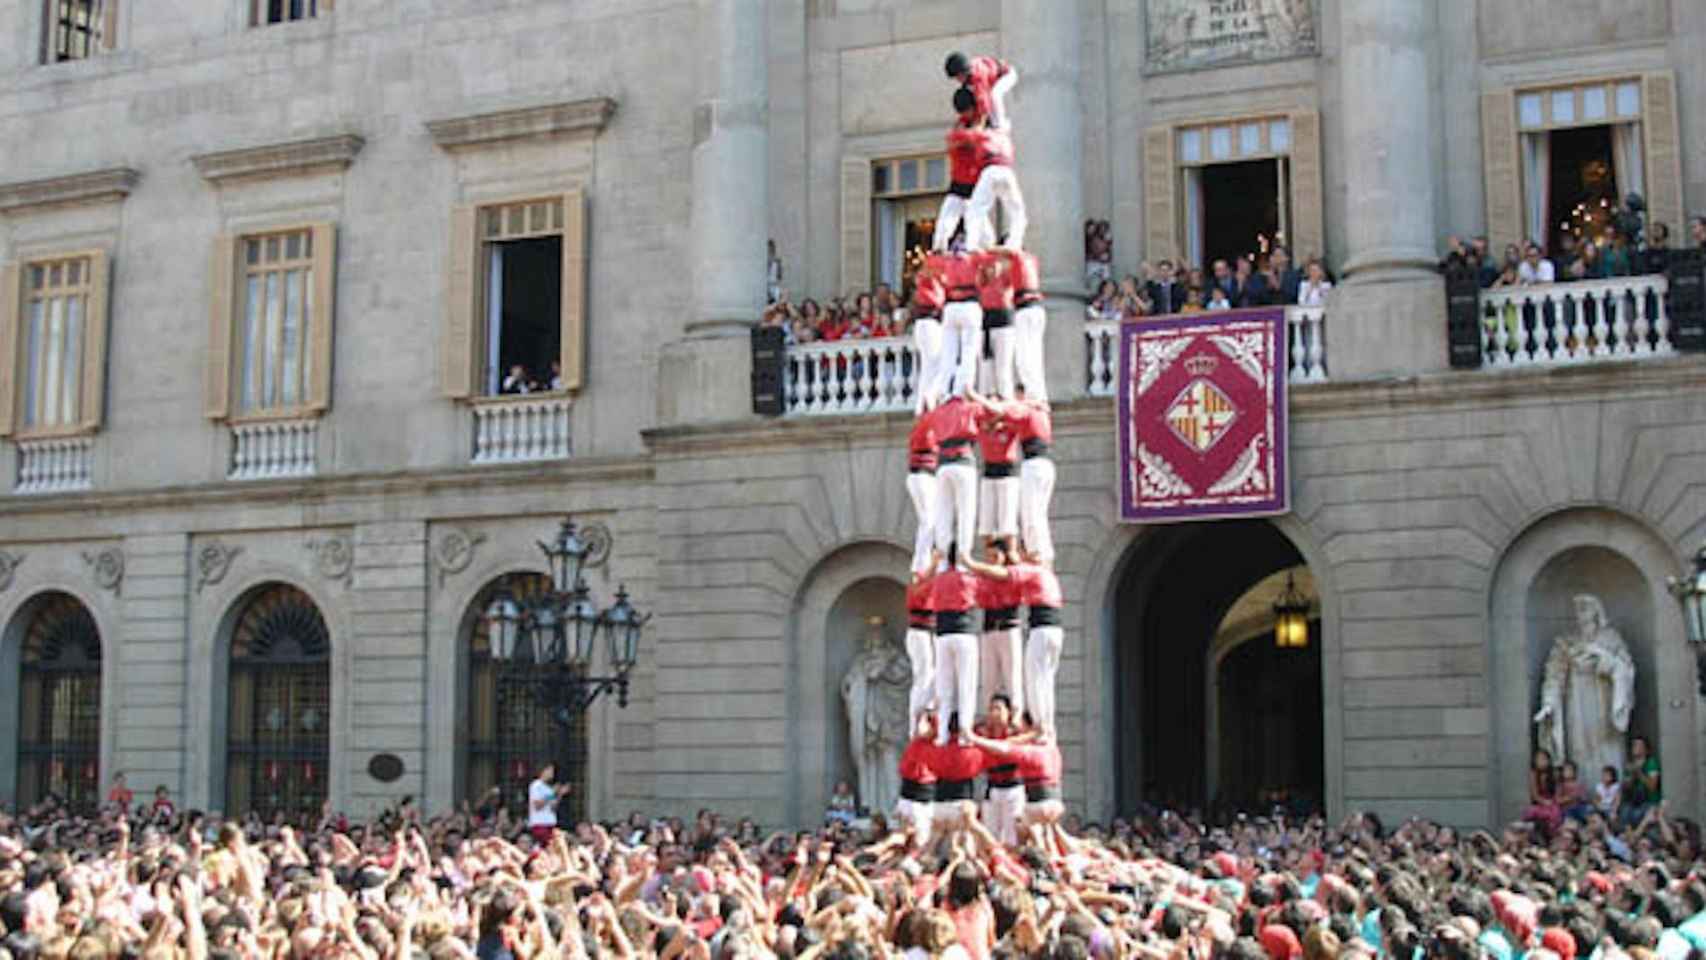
(955, 426)
(998, 493)
(1030, 322)
(1034, 426)
(989, 81)
(995, 297)
(928, 297)
(918, 782)
(921, 644)
(1004, 800)
(921, 462)
(1040, 769)
(962, 327)
(954, 595)
(957, 765)
(121, 796)
(996, 182)
(1039, 590)
(1001, 654)
(966, 156)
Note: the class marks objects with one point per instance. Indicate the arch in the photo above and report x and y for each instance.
(814, 716)
(1114, 559)
(277, 704)
(1591, 549)
(53, 628)
(209, 668)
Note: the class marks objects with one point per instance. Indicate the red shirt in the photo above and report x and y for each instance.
(954, 590)
(961, 277)
(928, 293)
(954, 763)
(1038, 764)
(832, 330)
(998, 439)
(995, 148)
(920, 614)
(983, 72)
(997, 594)
(1034, 423)
(915, 761)
(994, 280)
(954, 420)
(1037, 585)
(966, 150)
(1027, 276)
(921, 445)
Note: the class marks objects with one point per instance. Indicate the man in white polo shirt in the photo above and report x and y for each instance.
(542, 797)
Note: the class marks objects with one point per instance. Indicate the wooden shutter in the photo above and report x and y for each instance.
(321, 324)
(855, 224)
(1663, 151)
(572, 352)
(1500, 165)
(221, 317)
(464, 303)
(92, 404)
(1308, 218)
(1160, 196)
(109, 24)
(10, 300)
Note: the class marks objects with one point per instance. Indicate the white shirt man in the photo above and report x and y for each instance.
(542, 797)
(1535, 268)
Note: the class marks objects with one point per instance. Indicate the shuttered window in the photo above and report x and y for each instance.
(270, 339)
(53, 335)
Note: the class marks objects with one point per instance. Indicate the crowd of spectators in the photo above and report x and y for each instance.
(877, 313)
(1254, 280)
(146, 881)
(1616, 254)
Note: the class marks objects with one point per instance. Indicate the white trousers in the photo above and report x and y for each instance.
(998, 506)
(962, 344)
(922, 488)
(1036, 490)
(921, 650)
(917, 814)
(997, 374)
(1002, 812)
(956, 506)
(956, 682)
(1001, 666)
(995, 183)
(1031, 323)
(927, 339)
(1042, 661)
(998, 97)
(948, 219)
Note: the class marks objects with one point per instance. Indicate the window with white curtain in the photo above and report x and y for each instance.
(275, 321)
(56, 310)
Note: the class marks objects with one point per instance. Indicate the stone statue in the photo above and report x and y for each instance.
(1587, 693)
(876, 691)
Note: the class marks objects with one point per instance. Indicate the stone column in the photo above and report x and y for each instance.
(1388, 316)
(1041, 39)
(704, 375)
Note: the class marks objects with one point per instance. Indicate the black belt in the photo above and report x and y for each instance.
(926, 313)
(956, 443)
(994, 317)
(948, 457)
(929, 470)
(921, 619)
(917, 792)
(1028, 292)
(1040, 792)
(953, 621)
(961, 189)
(1005, 775)
(999, 471)
(962, 295)
(1034, 449)
(1001, 618)
(989, 794)
(1045, 616)
(951, 790)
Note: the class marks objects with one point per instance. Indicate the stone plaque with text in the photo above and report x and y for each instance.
(1200, 33)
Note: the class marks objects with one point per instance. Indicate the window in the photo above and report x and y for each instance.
(907, 195)
(78, 29)
(53, 332)
(59, 705)
(278, 705)
(284, 11)
(517, 299)
(509, 736)
(270, 344)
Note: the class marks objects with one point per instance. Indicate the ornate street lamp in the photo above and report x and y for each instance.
(566, 555)
(503, 625)
(1691, 592)
(1291, 618)
(623, 624)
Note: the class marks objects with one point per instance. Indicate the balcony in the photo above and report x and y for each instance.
(525, 428)
(850, 376)
(273, 449)
(1586, 321)
(55, 464)
(1306, 350)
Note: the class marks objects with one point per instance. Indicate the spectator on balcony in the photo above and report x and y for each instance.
(1513, 257)
(1535, 268)
(517, 381)
(1483, 260)
(810, 315)
(1458, 255)
(556, 382)
(779, 312)
(1098, 252)
(888, 304)
(1656, 258)
(1133, 302)
(865, 322)
(1286, 278)
(1587, 264)
(1165, 291)
(1697, 232)
(1618, 259)
(773, 272)
(1217, 299)
(834, 325)
(1106, 304)
(1224, 280)
(1249, 288)
(1313, 292)
(1193, 301)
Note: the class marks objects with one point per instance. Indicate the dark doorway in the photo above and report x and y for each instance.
(530, 311)
(1270, 725)
(1177, 586)
(1583, 186)
(1241, 208)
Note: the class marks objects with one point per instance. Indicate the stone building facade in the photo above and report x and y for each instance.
(372, 159)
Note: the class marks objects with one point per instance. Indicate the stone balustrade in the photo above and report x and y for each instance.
(1306, 350)
(1584, 321)
(521, 429)
(55, 465)
(273, 449)
(850, 376)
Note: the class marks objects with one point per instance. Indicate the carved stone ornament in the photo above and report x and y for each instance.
(213, 562)
(455, 551)
(107, 566)
(334, 557)
(8, 566)
(598, 539)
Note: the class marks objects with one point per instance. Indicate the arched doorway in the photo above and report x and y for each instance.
(504, 736)
(278, 705)
(1198, 683)
(54, 677)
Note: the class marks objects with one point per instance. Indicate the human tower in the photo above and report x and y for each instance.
(983, 540)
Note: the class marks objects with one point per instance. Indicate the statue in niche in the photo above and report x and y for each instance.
(1587, 692)
(875, 692)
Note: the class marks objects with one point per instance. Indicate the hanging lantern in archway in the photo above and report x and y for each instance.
(1291, 618)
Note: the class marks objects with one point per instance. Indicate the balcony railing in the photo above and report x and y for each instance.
(55, 465)
(273, 449)
(1306, 332)
(1586, 321)
(522, 429)
(850, 376)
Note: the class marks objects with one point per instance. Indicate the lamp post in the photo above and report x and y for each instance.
(1690, 591)
(553, 635)
(1291, 618)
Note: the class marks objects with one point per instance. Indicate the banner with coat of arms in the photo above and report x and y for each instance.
(1202, 417)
